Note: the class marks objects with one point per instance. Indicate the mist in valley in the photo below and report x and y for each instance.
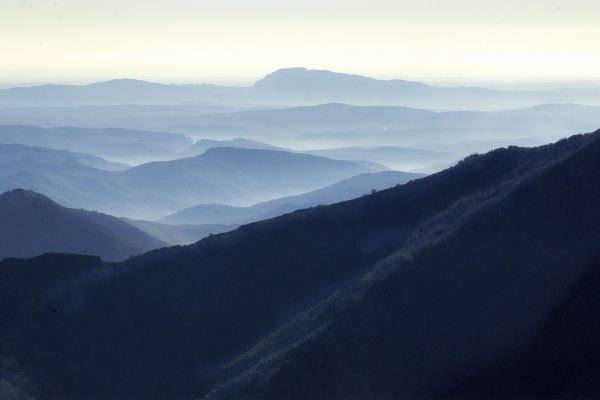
(299, 199)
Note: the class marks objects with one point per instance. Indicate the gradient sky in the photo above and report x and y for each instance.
(238, 41)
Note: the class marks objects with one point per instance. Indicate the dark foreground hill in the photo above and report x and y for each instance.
(32, 224)
(479, 281)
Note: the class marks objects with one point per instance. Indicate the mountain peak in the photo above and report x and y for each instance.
(312, 75)
(326, 86)
(24, 196)
(124, 83)
(33, 224)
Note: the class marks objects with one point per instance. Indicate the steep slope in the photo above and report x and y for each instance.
(346, 189)
(31, 224)
(459, 266)
(475, 307)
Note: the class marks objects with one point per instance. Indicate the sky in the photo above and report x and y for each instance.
(238, 41)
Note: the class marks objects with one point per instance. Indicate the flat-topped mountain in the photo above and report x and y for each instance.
(202, 145)
(290, 86)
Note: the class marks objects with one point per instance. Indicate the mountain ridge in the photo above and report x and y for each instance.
(151, 190)
(292, 355)
(231, 293)
(32, 224)
(286, 85)
(345, 189)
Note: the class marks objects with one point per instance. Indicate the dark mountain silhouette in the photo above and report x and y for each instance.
(450, 285)
(111, 143)
(473, 306)
(289, 86)
(31, 224)
(344, 190)
(152, 190)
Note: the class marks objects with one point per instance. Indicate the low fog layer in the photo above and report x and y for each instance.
(143, 151)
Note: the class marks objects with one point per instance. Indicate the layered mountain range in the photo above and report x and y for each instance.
(231, 176)
(478, 281)
(346, 189)
(31, 224)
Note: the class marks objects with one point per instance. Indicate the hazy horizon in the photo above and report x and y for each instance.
(515, 84)
(492, 43)
(211, 199)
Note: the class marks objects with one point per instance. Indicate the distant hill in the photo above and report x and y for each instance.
(322, 126)
(149, 191)
(200, 146)
(16, 153)
(476, 282)
(129, 146)
(301, 85)
(399, 158)
(346, 189)
(290, 86)
(114, 92)
(344, 125)
(127, 116)
(236, 176)
(31, 224)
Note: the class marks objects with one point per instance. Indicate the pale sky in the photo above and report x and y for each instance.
(239, 41)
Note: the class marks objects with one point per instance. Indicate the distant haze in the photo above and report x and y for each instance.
(238, 41)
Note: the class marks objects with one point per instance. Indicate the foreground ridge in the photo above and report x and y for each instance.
(478, 281)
